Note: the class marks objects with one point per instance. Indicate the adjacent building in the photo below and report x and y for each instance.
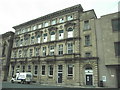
(108, 47)
(58, 48)
(6, 43)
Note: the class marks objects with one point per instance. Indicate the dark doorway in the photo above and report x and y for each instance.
(89, 80)
(59, 77)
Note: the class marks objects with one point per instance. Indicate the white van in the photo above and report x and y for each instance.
(22, 77)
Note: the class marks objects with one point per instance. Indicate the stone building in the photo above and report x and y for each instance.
(58, 48)
(108, 47)
(6, 43)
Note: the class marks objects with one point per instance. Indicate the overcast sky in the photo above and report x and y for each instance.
(14, 12)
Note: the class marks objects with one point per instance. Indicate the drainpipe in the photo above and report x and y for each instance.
(96, 50)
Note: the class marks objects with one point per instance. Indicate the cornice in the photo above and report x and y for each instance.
(52, 15)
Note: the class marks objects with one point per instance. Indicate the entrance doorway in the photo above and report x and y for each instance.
(89, 80)
(60, 75)
(88, 75)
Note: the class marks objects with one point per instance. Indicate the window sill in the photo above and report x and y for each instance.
(87, 29)
(69, 77)
(50, 76)
(87, 45)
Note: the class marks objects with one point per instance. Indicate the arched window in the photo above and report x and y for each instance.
(88, 68)
(52, 35)
(70, 32)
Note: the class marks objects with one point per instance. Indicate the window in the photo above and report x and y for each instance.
(26, 41)
(86, 25)
(25, 53)
(34, 27)
(12, 70)
(61, 34)
(50, 70)
(51, 50)
(21, 42)
(29, 68)
(38, 39)
(31, 52)
(46, 24)
(69, 17)
(39, 26)
(61, 20)
(15, 54)
(116, 24)
(87, 54)
(70, 70)
(23, 68)
(45, 37)
(53, 22)
(60, 49)
(43, 69)
(87, 40)
(117, 48)
(60, 68)
(70, 48)
(37, 51)
(44, 51)
(35, 69)
(32, 40)
(70, 32)
(52, 35)
(17, 43)
(28, 29)
(20, 53)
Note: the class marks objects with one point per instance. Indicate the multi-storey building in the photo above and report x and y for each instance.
(108, 47)
(6, 43)
(58, 48)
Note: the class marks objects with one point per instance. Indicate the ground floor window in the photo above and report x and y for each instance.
(70, 70)
(36, 70)
(43, 69)
(50, 70)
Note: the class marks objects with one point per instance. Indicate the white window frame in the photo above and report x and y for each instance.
(61, 20)
(87, 40)
(30, 52)
(39, 26)
(38, 39)
(44, 51)
(35, 70)
(70, 48)
(86, 25)
(60, 49)
(20, 54)
(61, 34)
(29, 68)
(23, 68)
(46, 24)
(52, 36)
(68, 67)
(70, 32)
(50, 68)
(70, 17)
(21, 42)
(37, 51)
(43, 70)
(52, 50)
(45, 37)
(53, 22)
(34, 27)
(32, 40)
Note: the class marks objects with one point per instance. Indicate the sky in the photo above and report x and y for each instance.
(15, 12)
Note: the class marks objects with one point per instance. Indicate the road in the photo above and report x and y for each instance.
(17, 86)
